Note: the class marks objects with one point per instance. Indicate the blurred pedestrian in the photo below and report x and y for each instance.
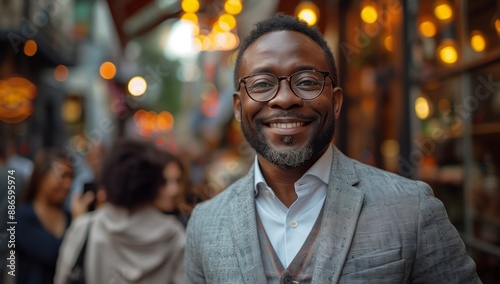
(129, 239)
(42, 219)
(176, 196)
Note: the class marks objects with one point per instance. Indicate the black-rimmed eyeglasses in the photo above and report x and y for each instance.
(306, 84)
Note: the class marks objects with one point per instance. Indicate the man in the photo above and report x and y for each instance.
(305, 213)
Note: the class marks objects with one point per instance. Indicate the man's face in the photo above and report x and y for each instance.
(287, 131)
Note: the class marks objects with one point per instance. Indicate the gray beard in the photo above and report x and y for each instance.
(289, 158)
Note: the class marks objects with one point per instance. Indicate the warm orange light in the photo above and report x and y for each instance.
(389, 43)
(233, 7)
(427, 28)
(16, 99)
(30, 47)
(443, 10)
(227, 22)
(61, 73)
(192, 17)
(477, 41)
(190, 6)
(447, 52)
(422, 108)
(308, 16)
(369, 13)
(107, 70)
(497, 25)
(308, 12)
(165, 121)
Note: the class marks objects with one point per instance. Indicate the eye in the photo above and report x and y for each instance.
(305, 81)
(261, 83)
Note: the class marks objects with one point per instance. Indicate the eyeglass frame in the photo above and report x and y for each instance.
(281, 78)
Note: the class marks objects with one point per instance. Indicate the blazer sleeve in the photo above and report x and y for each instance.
(441, 256)
(193, 262)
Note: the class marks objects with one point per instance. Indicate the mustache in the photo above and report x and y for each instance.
(286, 114)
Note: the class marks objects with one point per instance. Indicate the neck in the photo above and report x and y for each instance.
(282, 181)
(43, 203)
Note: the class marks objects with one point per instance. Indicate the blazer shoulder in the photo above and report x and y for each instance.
(220, 201)
(389, 182)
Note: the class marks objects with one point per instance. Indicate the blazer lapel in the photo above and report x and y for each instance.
(342, 208)
(244, 232)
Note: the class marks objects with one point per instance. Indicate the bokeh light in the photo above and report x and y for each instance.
(422, 108)
(16, 99)
(477, 41)
(137, 86)
(190, 6)
(389, 43)
(447, 52)
(226, 22)
(308, 12)
(443, 11)
(192, 17)
(233, 7)
(30, 47)
(61, 73)
(107, 70)
(390, 148)
(427, 28)
(369, 13)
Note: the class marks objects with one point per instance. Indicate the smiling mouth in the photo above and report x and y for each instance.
(285, 125)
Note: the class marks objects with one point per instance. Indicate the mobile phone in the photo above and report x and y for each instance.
(91, 186)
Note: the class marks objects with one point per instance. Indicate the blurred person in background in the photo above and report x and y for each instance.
(17, 161)
(175, 196)
(130, 240)
(41, 218)
(87, 170)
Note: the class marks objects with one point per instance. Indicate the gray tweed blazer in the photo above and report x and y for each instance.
(377, 228)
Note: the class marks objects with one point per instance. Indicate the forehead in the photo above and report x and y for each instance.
(283, 52)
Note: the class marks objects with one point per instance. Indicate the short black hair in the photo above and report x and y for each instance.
(282, 22)
(132, 173)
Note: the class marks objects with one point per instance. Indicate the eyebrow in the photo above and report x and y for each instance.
(298, 68)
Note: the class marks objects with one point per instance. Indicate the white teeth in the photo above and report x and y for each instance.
(286, 124)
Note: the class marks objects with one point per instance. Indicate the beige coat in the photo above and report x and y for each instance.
(144, 247)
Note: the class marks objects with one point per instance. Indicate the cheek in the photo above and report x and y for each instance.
(51, 182)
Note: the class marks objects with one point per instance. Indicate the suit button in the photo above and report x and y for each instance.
(288, 279)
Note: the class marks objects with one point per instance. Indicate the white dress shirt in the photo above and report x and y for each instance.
(288, 228)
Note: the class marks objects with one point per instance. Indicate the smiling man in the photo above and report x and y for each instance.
(305, 213)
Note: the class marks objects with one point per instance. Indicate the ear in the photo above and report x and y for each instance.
(337, 101)
(237, 106)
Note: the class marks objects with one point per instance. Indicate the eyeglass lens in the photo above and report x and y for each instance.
(305, 84)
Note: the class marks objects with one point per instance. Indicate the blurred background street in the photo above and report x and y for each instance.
(421, 83)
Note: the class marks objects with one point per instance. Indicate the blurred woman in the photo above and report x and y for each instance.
(41, 219)
(130, 240)
(175, 196)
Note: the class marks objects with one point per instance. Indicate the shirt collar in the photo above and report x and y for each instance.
(321, 169)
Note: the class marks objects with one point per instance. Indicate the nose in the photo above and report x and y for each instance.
(285, 98)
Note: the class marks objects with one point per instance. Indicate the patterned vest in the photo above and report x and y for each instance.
(301, 268)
